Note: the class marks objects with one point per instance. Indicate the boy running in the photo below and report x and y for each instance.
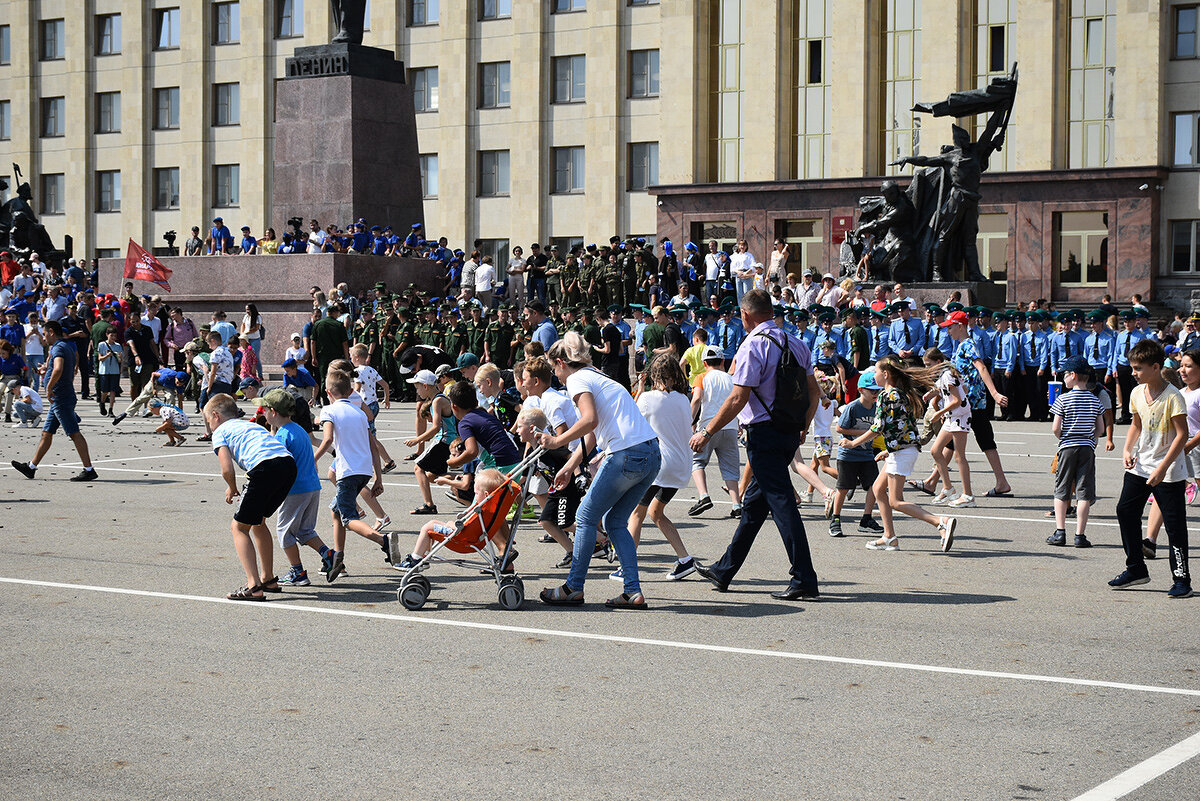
(856, 467)
(1078, 418)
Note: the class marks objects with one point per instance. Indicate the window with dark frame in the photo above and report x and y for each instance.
(108, 112)
(289, 18)
(643, 73)
(108, 190)
(567, 6)
(423, 12)
(1187, 23)
(226, 189)
(568, 170)
(5, 45)
(424, 82)
(5, 120)
(166, 29)
(53, 192)
(166, 188)
(166, 108)
(643, 165)
(569, 79)
(53, 122)
(495, 87)
(493, 173)
(227, 23)
(429, 175)
(1185, 145)
(108, 34)
(52, 40)
(227, 104)
(495, 9)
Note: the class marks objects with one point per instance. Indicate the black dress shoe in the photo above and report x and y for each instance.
(708, 573)
(796, 593)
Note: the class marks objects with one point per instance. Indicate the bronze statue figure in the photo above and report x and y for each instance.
(20, 231)
(943, 197)
(350, 16)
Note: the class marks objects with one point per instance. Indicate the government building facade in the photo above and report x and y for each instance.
(572, 120)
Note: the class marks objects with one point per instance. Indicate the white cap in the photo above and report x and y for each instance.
(424, 377)
(829, 276)
(712, 352)
(296, 335)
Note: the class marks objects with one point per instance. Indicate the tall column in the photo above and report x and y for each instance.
(855, 40)
(453, 140)
(528, 158)
(1043, 84)
(684, 84)
(762, 93)
(604, 183)
(1138, 95)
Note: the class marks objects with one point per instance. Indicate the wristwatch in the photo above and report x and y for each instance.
(704, 432)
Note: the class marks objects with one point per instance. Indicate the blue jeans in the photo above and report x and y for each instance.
(620, 483)
(744, 285)
(711, 288)
(256, 346)
(33, 362)
(769, 451)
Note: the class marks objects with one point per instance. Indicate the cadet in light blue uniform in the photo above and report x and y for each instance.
(1008, 365)
(1035, 352)
(878, 336)
(730, 332)
(1118, 363)
(825, 333)
(905, 334)
(1067, 343)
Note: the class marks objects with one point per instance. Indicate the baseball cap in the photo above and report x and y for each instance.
(468, 360)
(295, 335)
(867, 381)
(424, 377)
(954, 317)
(288, 363)
(1077, 364)
(280, 400)
(713, 352)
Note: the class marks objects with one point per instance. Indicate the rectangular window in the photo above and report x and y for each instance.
(992, 246)
(108, 253)
(565, 243)
(643, 73)
(166, 29)
(227, 23)
(52, 40)
(108, 112)
(995, 51)
(226, 182)
(498, 250)
(5, 45)
(1185, 246)
(901, 81)
(108, 34)
(53, 116)
(495, 88)
(289, 18)
(1186, 19)
(568, 170)
(166, 108)
(495, 9)
(493, 173)
(727, 79)
(1091, 79)
(423, 12)
(53, 192)
(569, 77)
(425, 88)
(806, 244)
(813, 95)
(643, 165)
(724, 233)
(166, 188)
(5, 120)
(643, 2)
(429, 175)
(226, 104)
(1081, 253)
(108, 190)
(1185, 149)
(564, 6)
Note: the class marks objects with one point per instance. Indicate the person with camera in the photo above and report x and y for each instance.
(775, 427)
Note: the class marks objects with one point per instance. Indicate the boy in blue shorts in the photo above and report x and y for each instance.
(60, 363)
(297, 523)
(345, 431)
(270, 471)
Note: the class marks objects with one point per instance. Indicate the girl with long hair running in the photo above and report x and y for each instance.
(955, 413)
(896, 414)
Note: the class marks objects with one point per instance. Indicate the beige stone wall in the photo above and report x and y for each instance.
(1149, 86)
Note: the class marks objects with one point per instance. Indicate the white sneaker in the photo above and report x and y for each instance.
(19, 425)
(963, 501)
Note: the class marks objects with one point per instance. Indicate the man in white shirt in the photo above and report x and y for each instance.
(316, 237)
(485, 279)
(898, 296)
(712, 271)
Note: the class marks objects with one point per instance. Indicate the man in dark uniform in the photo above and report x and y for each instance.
(498, 338)
(554, 282)
(455, 332)
(570, 281)
(476, 331)
(614, 289)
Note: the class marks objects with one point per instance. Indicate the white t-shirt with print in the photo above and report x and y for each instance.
(222, 360)
(1158, 431)
(369, 378)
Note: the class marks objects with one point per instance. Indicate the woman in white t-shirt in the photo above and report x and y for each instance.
(35, 350)
(742, 265)
(1189, 372)
(955, 414)
(668, 409)
(516, 277)
(630, 465)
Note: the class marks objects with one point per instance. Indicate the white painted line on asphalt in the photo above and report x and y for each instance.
(581, 635)
(1144, 772)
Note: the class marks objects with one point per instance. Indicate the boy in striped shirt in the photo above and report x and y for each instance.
(1078, 417)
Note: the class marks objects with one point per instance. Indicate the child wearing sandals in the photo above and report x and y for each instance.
(822, 427)
(173, 421)
(438, 530)
(270, 471)
(896, 414)
(955, 413)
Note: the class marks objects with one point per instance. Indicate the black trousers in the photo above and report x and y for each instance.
(1125, 382)
(769, 451)
(1035, 395)
(1173, 505)
(1015, 389)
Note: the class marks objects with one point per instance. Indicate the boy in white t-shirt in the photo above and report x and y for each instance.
(296, 351)
(27, 405)
(345, 431)
(1154, 465)
(709, 391)
(367, 381)
(173, 421)
(270, 471)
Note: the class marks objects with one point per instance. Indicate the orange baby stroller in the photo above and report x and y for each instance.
(474, 531)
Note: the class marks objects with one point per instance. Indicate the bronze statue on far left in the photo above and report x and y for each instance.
(350, 16)
(20, 231)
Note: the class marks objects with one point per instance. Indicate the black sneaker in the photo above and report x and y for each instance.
(84, 475)
(337, 567)
(566, 561)
(118, 418)
(1149, 548)
(1180, 589)
(868, 526)
(1081, 541)
(103, 411)
(682, 570)
(24, 469)
(736, 512)
(835, 526)
(701, 506)
(1128, 579)
(1059, 537)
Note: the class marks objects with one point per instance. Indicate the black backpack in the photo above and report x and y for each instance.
(789, 412)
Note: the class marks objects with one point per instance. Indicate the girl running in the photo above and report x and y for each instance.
(955, 413)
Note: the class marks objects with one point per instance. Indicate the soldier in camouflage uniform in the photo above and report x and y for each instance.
(476, 331)
(498, 340)
(456, 333)
(614, 288)
(570, 279)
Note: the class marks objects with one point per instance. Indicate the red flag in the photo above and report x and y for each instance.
(143, 266)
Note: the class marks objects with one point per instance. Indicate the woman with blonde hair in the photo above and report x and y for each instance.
(630, 464)
(896, 414)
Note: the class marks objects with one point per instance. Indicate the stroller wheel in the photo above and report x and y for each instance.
(511, 593)
(414, 593)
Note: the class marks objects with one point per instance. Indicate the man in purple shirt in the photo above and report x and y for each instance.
(768, 449)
